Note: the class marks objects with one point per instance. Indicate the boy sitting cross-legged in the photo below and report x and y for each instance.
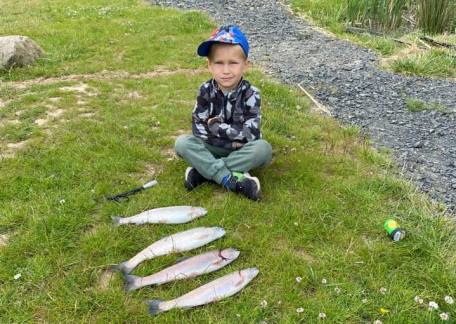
(226, 141)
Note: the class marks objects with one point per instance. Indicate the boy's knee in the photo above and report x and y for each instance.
(263, 151)
(182, 143)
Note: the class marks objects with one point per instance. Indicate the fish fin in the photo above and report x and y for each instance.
(122, 267)
(181, 259)
(130, 282)
(116, 220)
(154, 306)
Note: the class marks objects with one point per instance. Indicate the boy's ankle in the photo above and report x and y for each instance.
(244, 184)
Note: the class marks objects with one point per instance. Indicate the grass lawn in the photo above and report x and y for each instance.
(67, 142)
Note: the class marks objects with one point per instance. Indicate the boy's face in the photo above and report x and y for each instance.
(227, 63)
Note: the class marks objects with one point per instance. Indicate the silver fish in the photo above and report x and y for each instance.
(179, 242)
(188, 268)
(165, 215)
(213, 291)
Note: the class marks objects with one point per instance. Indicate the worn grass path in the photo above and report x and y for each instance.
(89, 133)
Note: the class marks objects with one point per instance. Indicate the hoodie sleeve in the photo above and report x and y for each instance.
(249, 130)
(200, 113)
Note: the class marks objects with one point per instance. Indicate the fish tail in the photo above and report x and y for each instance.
(131, 282)
(122, 267)
(116, 220)
(154, 306)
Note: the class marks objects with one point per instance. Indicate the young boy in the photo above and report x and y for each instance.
(226, 141)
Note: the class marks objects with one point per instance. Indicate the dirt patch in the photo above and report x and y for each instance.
(17, 146)
(134, 95)
(4, 239)
(2, 103)
(104, 279)
(54, 114)
(81, 88)
(10, 122)
(170, 154)
(152, 170)
(41, 122)
(105, 75)
(87, 115)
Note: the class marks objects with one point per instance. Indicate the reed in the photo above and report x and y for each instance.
(376, 14)
(436, 16)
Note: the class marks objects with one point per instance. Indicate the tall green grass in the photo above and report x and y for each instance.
(377, 14)
(436, 16)
(433, 16)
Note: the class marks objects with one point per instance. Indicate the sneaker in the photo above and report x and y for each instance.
(193, 179)
(244, 184)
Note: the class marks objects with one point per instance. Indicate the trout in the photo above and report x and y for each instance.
(165, 215)
(187, 268)
(211, 292)
(179, 242)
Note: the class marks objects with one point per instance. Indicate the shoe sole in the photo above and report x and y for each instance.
(248, 176)
(186, 185)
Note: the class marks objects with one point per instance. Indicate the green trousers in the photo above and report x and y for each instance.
(214, 163)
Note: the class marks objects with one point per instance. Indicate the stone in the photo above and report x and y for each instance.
(18, 51)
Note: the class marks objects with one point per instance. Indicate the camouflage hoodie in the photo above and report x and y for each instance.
(237, 115)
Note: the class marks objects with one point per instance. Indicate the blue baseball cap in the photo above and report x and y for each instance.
(226, 34)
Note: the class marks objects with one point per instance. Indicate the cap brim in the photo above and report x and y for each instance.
(203, 49)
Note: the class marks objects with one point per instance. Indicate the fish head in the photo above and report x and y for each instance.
(218, 231)
(229, 254)
(249, 273)
(198, 211)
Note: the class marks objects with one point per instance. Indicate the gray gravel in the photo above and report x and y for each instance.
(346, 78)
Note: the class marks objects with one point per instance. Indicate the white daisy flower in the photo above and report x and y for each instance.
(264, 303)
(444, 316)
(299, 310)
(17, 276)
(364, 300)
(322, 315)
(377, 322)
(418, 300)
(324, 281)
(433, 305)
(295, 224)
(382, 290)
(449, 300)
(62, 201)
(298, 279)
(337, 290)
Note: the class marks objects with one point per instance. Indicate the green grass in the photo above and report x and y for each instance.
(335, 15)
(436, 62)
(87, 36)
(416, 105)
(325, 197)
(436, 16)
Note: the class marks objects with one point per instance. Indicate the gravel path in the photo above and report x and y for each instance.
(346, 78)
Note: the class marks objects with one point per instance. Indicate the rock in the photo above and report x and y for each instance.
(18, 51)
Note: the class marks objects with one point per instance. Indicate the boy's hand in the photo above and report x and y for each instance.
(213, 124)
(237, 145)
(213, 120)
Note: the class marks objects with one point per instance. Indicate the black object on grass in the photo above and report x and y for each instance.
(124, 195)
